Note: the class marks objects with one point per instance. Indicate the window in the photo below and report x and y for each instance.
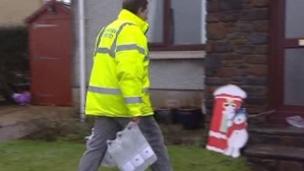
(177, 23)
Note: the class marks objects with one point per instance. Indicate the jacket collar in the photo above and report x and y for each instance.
(130, 17)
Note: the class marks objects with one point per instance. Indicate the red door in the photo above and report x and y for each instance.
(50, 48)
(288, 56)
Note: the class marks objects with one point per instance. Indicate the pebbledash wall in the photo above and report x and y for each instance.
(177, 77)
(238, 49)
(13, 13)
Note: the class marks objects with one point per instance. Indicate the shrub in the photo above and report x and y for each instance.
(67, 129)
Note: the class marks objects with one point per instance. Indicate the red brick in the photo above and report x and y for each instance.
(216, 31)
(257, 70)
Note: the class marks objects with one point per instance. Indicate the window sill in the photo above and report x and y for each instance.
(159, 55)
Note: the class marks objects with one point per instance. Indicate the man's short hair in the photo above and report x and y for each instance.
(134, 5)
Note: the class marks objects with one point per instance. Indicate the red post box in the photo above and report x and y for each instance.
(228, 99)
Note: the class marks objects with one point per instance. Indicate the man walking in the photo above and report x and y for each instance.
(118, 88)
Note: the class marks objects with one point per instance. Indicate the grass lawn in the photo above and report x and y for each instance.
(64, 156)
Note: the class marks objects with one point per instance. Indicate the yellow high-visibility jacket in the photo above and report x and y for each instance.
(119, 79)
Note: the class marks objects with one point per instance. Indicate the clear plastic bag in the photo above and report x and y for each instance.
(129, 151)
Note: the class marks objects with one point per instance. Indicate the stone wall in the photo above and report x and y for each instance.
(238, 49)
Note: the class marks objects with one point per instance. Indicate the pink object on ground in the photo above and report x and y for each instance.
(23, 98)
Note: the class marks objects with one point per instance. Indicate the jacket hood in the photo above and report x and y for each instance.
(129, 16)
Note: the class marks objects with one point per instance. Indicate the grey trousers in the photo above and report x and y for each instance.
(106, 127)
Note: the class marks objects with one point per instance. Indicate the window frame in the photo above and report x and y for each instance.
(279, 43)
(167, 42)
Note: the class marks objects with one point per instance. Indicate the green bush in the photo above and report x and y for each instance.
(68, 130)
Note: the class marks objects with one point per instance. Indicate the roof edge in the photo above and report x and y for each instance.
(43, 8)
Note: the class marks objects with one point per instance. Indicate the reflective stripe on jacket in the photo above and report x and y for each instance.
(119, 79)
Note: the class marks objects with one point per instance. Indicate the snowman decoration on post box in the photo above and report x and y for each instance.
(237, 134)
(228, 128)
